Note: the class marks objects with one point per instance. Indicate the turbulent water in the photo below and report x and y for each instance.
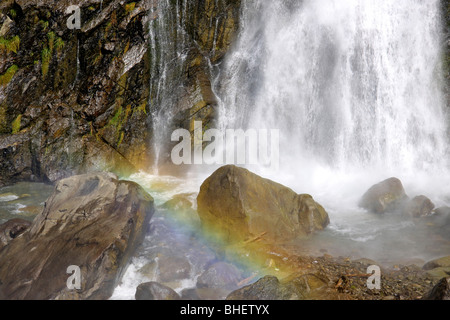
(168, 45)
(355, 89)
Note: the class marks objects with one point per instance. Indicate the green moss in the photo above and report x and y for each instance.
(16, 124)
(46, 56)
(13, 13)
(44, 24)
(10, 45)
(130, 7)
(51, 40)
(8, 75)
(4, 125)
(116, 119)
(59, 45)
(122, 134)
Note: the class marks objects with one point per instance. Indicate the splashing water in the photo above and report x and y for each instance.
(355, 89)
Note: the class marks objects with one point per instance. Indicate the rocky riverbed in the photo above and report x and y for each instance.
(177, 259)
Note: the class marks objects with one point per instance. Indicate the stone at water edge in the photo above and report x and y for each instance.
(441, 291)
(443, 262)
(93, 221)
(220, 275)
(237, 205)
(417, 207)
(155, 291)
(294, 287)
(388, 195)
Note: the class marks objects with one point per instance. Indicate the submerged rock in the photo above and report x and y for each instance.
(388, 195)
(220, 275)
(93, 221)
(237, 204)
(155, 291)
(419, 206)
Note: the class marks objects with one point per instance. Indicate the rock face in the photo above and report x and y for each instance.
(419, 206)
(73, 101)
(237, 205)
(387, 195)
(155, 291)
(93, 221)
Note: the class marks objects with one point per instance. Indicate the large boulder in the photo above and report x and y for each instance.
(388, 195)
(236, 204)
(419, 206)
(92, 221)
(443, 262)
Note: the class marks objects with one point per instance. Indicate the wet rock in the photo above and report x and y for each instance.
(443, 262)
(171, 268)
(12, 229)
(93, 221)
(155, 291)
(238, 205)
(441, 291)
(190, 294)
(295, 287)
(385, 196)
(267, 288)
(181, 207)
(419, 206)
(220, 275)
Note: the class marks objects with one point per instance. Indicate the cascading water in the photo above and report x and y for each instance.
(354, 88)
(349, 83)
(168, 42)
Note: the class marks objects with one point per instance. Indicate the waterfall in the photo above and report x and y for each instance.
(168, 41)
(353, 86)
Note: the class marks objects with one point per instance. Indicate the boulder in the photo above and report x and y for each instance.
(181, 208)
(385, 196)
(266, 288)
(173, 268)
(155, 291)
(441, 291)
(92, 221)
(443, 262)
(236, 204)
(12, 229)
(419, 206)
(220, 275)
(294, 287)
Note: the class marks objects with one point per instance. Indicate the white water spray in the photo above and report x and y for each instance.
(352, 85)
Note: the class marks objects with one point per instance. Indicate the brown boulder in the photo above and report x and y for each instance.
(385, 196)
(93, 221)
(236, 204)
